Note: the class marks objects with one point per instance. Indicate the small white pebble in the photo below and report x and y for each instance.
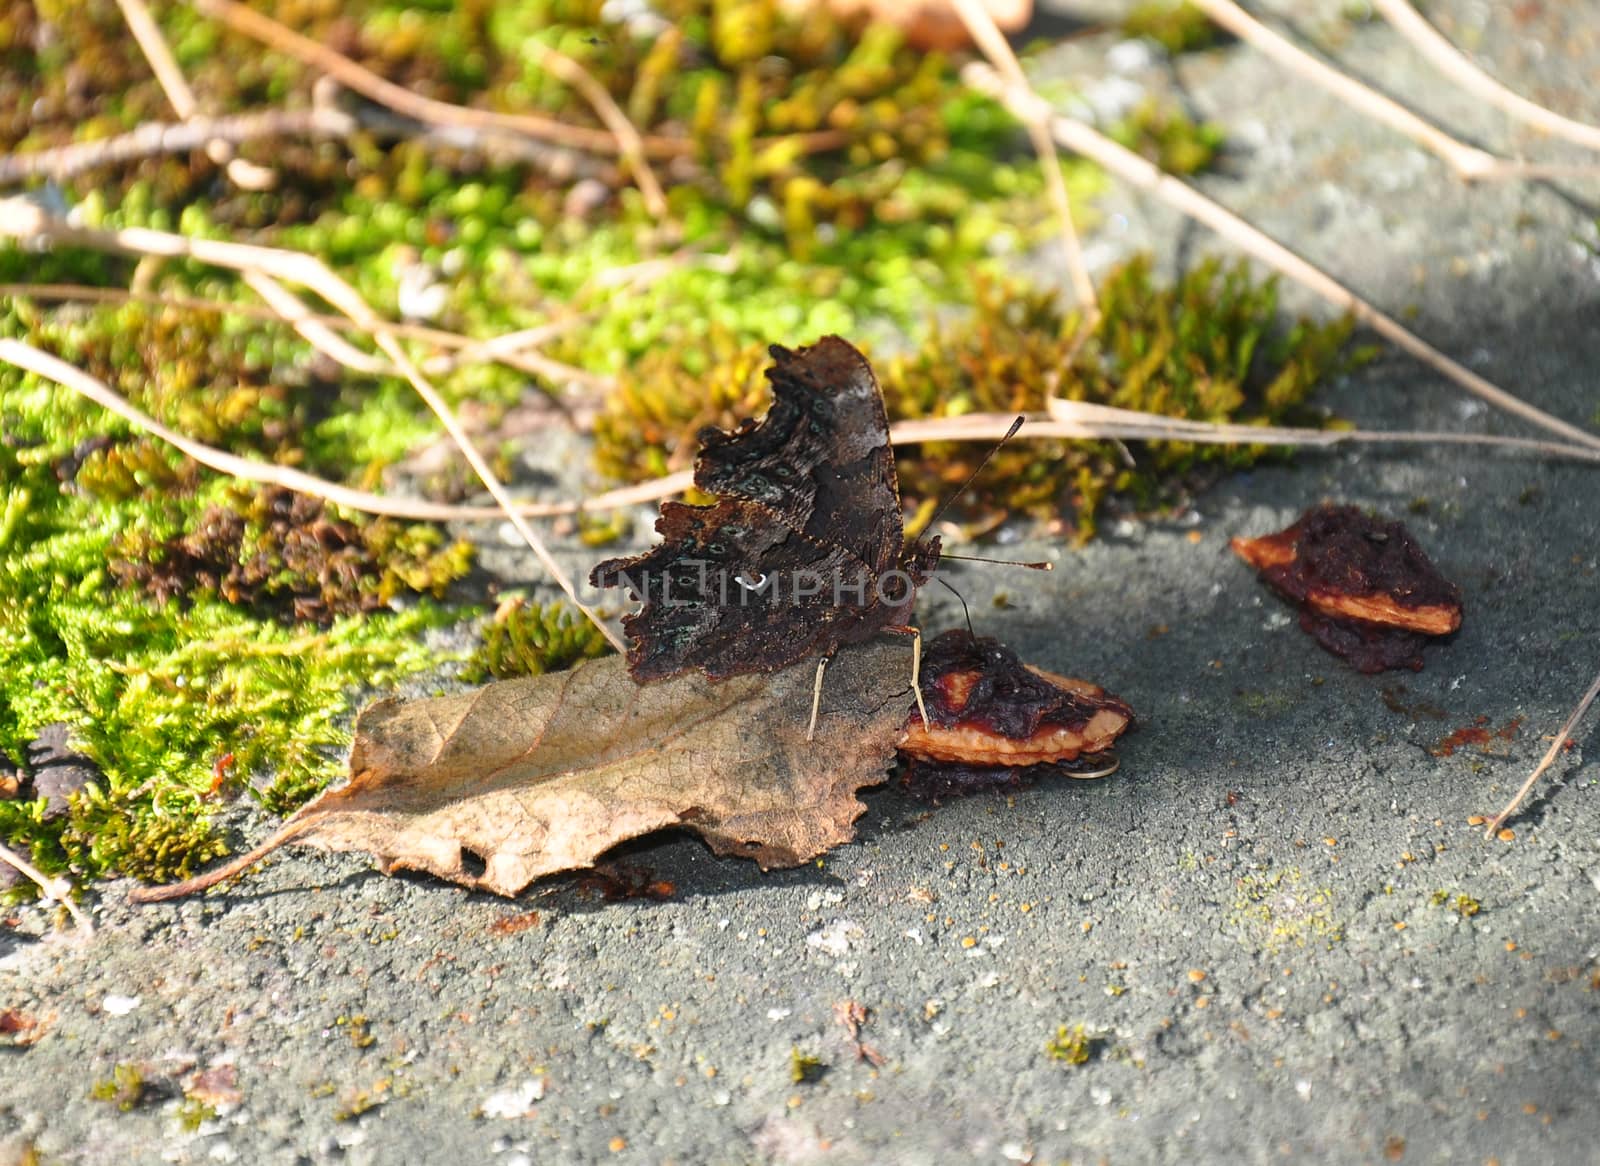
(834, 937)
(516, 1101)
(116, 1005)
(1130, 56)
(817, 900)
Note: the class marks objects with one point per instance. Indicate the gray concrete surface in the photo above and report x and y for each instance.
(1244, 917)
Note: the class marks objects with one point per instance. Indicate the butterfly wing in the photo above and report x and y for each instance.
(802, 551)
(731, 589)
(820, 458)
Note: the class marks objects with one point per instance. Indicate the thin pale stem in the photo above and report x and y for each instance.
(972, 427)
(1457, 66)
(1136, 171)
(24, 219)
(248, 22)
(1549, 759)
(348, 73)
(54, 890)
(164, 65)
(314, 332)
(153, 138)
(245, 469)
(1467, 161)
(511, 349)
(987, 36)
(629, 142)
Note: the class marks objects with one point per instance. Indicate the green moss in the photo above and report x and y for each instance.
(359, 1029)
(843, 174)
(1176, 26)
(1169, 137)
(168, 694)
(1463, 905)
(804, 1069)
(530, 639)
(126, 1088)
(196, 646)
(194, 1113)
(1277, 910)
(1071, 1045)
(1257, 703)
(1210, 348)
(648, 425)
(356, 1101)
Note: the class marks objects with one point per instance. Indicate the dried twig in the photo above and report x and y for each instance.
(246, 469)
(269, 32)
(22, 219)
(324, 120)
(629, 143)
(246, 175)
(1469, 162)
(152, 138)
(987, 36)
(314, 332)
(1456, 65)
(54, 890)
(1549, 759)
(354, 76)
(1071, 420)
(1131, 168)
(511, 350)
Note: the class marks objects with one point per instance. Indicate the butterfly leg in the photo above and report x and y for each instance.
(816, 693)
(916, 664)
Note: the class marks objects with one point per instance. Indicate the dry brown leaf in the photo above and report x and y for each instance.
(497, 787)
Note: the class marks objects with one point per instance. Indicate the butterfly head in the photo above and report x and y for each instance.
(920, 558)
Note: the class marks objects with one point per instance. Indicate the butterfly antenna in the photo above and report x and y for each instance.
(964, 609)
(932, 522)
(1040, 566)
(1010, 433)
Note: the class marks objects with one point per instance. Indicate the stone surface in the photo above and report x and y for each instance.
(1266, 917)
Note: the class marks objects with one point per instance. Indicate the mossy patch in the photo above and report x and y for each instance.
(127, 1087)
(1463, 905)
(177, 686)
(531, 639)
(1277, 910)
(1169, 137)
(201, 638)
(1177, 26)
(1209, 348)
(1072, 1045)
(805, 1069)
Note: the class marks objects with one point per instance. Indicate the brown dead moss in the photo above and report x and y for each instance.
(286, 556)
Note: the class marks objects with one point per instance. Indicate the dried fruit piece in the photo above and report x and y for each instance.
(999, 722)
(1366, 590)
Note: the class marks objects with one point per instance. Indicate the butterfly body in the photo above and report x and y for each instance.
(804, 549)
